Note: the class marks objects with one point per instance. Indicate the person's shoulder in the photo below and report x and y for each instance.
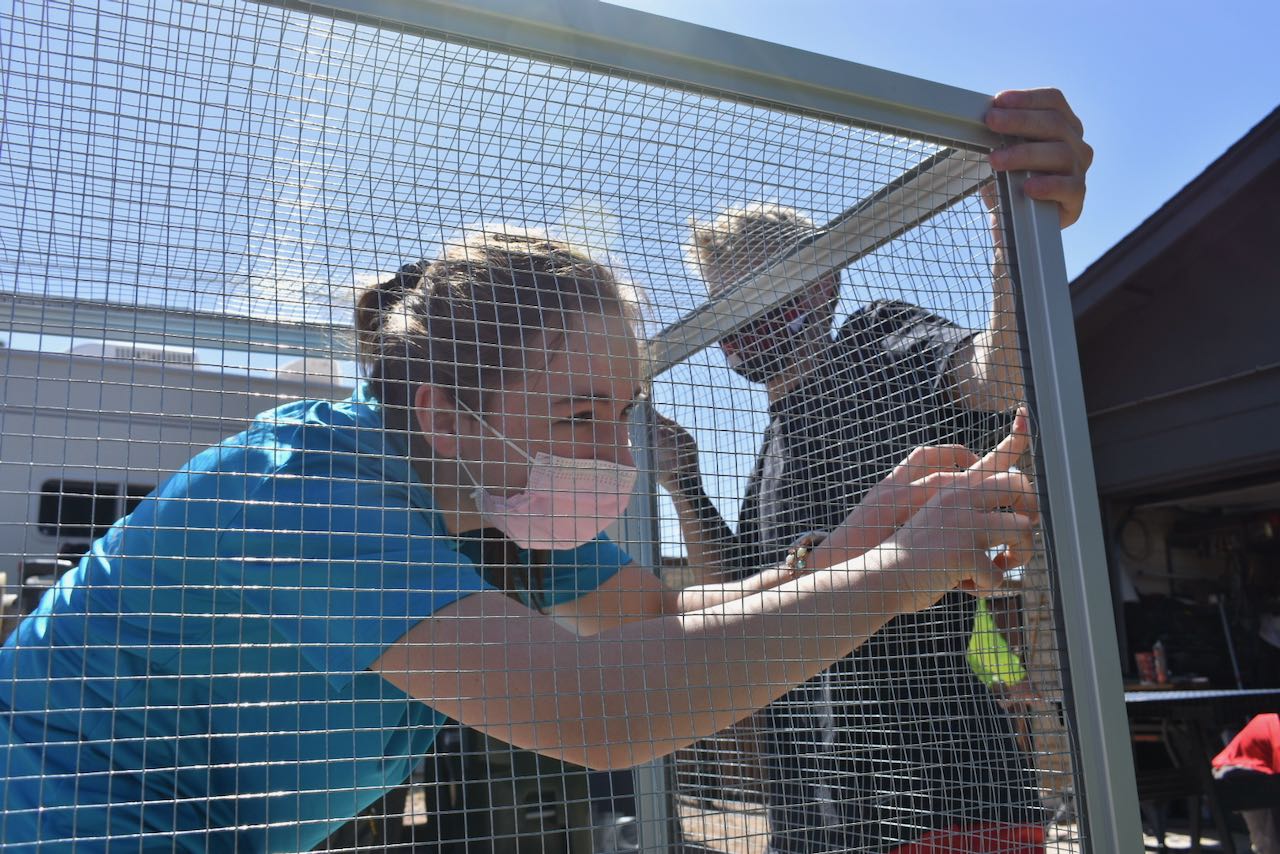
(330, 472)
(311, 437)
(896, 325)
(275, 442)
(302, 451)
(884, 317)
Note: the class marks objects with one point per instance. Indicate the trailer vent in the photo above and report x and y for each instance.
(166, 354)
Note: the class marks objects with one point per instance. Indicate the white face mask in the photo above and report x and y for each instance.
(566, 503)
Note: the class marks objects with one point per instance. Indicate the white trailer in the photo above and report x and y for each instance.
(86, 434)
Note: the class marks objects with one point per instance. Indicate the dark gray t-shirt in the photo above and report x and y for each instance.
(850, 422)
(899, 738)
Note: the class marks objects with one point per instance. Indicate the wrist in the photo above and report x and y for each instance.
(928, 559)
(795, 561)
(684, 487)
(893, 582)
(1001, 285)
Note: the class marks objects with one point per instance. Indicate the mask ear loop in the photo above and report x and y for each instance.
(480, 489)
(495, 431)
(509, 584)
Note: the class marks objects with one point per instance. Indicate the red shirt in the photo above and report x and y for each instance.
(1255, 748)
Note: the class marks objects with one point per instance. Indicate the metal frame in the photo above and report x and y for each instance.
(639, 531)
(639, 44)
(1085, 617)
(902, 204)
(617, 40)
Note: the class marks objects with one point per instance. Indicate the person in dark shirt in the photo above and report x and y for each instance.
(899, 745)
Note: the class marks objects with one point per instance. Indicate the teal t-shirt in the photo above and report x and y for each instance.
(199, 682)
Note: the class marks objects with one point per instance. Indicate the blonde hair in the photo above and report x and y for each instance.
(739, 241)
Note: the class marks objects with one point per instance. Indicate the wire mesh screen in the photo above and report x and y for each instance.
(284, 576)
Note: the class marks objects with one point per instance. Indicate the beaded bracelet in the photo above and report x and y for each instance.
(795, 559)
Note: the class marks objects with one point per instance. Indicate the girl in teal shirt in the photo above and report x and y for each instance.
(269, 642)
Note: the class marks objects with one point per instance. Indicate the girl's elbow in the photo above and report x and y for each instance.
(621, 757)
(674, 602)
(621, 744)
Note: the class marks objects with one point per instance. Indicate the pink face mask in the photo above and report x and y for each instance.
(566, 503)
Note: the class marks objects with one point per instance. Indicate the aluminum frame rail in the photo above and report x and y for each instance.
(902, 204)
(617, 40)
(639, 530)
(1069, 499)
(639, 44)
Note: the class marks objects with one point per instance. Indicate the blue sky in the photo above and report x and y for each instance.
(1163, 88)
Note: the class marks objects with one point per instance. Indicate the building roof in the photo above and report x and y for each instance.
(1179, 333)
(1237, 168)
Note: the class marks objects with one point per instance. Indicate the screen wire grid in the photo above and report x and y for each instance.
(228, 160)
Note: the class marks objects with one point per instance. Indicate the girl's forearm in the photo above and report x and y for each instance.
(647, 688)
(709, 542)
(704, 596)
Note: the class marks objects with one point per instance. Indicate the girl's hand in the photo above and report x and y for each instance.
(953, 535)
(913, 482)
